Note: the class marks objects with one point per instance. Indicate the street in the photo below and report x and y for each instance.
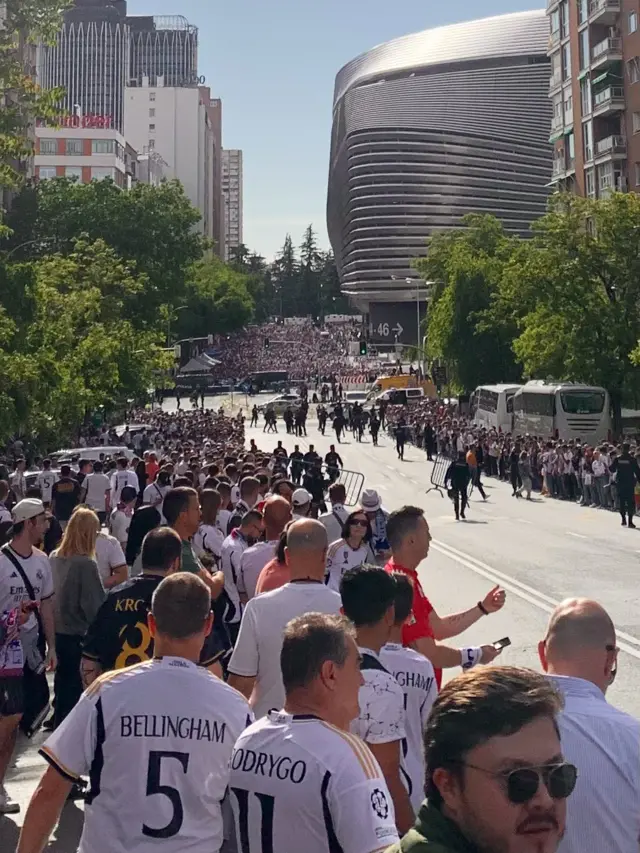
(540, 552)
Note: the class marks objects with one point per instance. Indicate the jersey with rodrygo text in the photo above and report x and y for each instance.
(300, 783)
(155, 740)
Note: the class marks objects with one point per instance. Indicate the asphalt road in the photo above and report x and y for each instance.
(541, 552)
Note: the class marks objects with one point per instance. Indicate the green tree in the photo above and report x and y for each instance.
(284, 272)
(308, 290)
(77, 351)
(465, 268)
(574, 294)
(218, 301)
(151, 227)
(22, 22)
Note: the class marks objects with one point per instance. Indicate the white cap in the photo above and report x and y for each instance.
(301, 497)
(26, 509)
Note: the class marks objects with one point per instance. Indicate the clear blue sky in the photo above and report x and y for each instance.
(273, 63)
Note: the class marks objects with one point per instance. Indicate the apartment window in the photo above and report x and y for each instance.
(555, 25)
(633, 22)
(102, 146)
(48, 146)
(73, 172)
(638, 174)
(74, 146)
(571, 149)
(590, 183)
(566, 61)
(152, 113)
(45, 172)
(605, 177)
(152, 144)
(98, 174)
(152, 96)
(636, 122)
(583, 10)
(585, 96)
(568, 108)
(633, 69)
(152, 128)
(564, 19)
(584, 49)
(587, 134)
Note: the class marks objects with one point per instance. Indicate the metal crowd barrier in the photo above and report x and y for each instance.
(439, 472)
(353, 482)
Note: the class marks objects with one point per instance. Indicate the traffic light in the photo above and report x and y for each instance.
(363, 347)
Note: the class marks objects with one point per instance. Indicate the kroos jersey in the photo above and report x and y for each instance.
(415, 675)
(298, 782)
(156, 741)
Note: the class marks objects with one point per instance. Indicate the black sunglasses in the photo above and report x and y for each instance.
(522, 784)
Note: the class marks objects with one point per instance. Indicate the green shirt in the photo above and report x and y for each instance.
(433, 833)
(189, 561)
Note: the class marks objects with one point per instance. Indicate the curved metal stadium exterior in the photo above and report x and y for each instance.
(428, 128)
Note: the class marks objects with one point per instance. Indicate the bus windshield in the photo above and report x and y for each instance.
(582, 402)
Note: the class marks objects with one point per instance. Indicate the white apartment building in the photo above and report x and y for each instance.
(175, 122)
(86, 151)
(232, 198)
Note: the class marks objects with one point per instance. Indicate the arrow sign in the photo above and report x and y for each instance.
(398, 329)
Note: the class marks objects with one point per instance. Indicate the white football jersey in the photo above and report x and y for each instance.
(300, 783)
(340, 558)
(155, 740)
(415, 675)
(45, 481)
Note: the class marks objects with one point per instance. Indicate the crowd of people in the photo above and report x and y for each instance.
(606, 476)
(244, 663)
(304, 349)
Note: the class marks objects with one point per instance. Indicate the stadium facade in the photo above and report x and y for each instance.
(430, 127)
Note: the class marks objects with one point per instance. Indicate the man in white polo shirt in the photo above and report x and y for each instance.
(276, 515)
(254, 668)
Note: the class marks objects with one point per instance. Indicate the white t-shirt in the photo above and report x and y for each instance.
(304, 784)
(119, 524)
(252, 563)
(222, 520)
(233, 547)
(154, 495)
(334, 521)
(13, 591)
(340, 558)
(45, 481)
(5, 515)
(156, 740)
(259, 643)
(18, 483)
(209, 540)
(109, 555)
(381, 700)
(415, 675)
(96, 486)
(119, 480)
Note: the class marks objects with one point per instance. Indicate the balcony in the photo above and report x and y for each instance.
(611, 147)
(604, 11)
(608, 101)
(554, 42)
(606, 52)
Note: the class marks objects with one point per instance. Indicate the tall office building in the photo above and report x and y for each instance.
(594, 49)
(176, 123)
(428, 128)
(165, 48)
(232, 199)
(215, 116)
(89, 60)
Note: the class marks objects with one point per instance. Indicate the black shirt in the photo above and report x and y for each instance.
(628, 471)
(119, 636)
(66, 495)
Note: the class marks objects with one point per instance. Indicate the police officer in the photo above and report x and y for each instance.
(626, 467)
(459, 474)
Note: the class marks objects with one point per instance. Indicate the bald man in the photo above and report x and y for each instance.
(276, 516)
(254, 668)
(580, 655)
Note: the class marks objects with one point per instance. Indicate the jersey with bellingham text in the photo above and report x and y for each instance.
(416, 677)
(156, 741)
(297, 781)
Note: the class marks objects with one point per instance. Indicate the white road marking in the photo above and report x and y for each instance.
(390, 467)
(577, 535)
(524, 521)
(630, 644)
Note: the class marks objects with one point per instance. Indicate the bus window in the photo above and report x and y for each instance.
(582, 402)
(510, 405)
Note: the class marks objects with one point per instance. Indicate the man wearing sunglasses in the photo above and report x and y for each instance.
(580, 656)
(497, 781)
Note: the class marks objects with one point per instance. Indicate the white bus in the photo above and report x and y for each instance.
(562, 410)
(492, 406)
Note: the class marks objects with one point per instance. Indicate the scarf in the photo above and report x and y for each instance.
(380, 542)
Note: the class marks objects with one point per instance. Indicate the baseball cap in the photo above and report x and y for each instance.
(26, 509)
(301, 497)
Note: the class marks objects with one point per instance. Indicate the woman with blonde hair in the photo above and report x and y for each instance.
(78, 596)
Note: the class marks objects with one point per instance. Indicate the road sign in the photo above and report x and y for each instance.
(395, 322)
